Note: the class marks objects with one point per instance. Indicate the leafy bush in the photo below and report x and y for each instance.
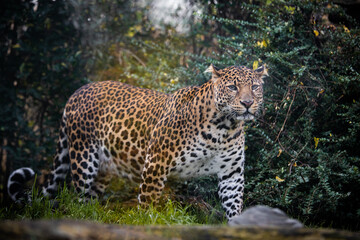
(41, 65)
(302, 154)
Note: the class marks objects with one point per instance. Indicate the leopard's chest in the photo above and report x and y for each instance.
(207, 157)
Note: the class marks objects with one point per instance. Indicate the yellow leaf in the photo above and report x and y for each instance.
(279, 179)
(138, 28)
(255, 64)
(316, 140)
(291, 10)
(280, 151)
(240, 53)
(16, 45)
(173, 81)
(294, 164)
(130, 34)
(346, 29)
(31, 123)
(316, 32)
(322, 91)
(262, 44)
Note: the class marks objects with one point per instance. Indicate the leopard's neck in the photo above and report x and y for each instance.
(207, 113)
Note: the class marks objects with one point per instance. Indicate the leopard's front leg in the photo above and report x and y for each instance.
(231, 190)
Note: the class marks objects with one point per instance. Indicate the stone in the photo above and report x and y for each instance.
(265, 217)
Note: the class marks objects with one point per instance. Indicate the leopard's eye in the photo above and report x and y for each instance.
(232, 87)
(254, 87)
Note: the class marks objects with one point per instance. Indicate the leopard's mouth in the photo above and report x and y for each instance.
(245, 116)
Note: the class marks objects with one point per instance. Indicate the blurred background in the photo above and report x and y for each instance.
(302, 154)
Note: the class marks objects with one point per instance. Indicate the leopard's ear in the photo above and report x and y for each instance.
(214, 71)
(262, 72)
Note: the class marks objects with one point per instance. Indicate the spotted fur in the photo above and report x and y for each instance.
(114, 129)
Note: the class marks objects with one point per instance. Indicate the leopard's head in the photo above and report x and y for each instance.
(238, 90)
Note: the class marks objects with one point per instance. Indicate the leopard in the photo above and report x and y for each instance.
(111, 129)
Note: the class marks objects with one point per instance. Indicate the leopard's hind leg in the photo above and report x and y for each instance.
(61, 164)
(86, 158)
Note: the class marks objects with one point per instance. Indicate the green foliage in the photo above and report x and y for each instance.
(302, 153)
(41, 65)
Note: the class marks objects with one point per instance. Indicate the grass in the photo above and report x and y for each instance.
(67, 205)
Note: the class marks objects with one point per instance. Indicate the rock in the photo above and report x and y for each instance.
(266, 217)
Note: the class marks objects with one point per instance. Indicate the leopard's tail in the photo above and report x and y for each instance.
(16, 182)
(61, 167)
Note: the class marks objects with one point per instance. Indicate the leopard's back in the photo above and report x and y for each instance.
(115, 121)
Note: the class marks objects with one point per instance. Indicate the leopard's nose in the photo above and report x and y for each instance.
(247, 104)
